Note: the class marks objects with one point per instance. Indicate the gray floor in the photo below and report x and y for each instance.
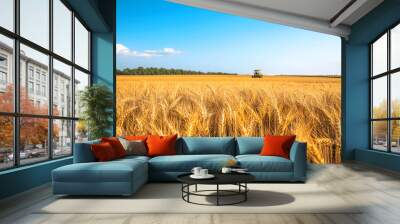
(379, 189)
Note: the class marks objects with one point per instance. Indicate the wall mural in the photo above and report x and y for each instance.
(196, 72)
(168, 101)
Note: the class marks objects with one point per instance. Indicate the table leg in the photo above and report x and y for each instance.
(182, 189)
(195, 188)
(188, 190)
(217, 194)
(245, 193)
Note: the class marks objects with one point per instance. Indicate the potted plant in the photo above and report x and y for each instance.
(96, 102)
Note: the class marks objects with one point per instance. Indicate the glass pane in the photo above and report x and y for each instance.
(81, 81)
(6, 74)
(62, 89)
(395, 136)
(6, 142)
(379, 55)
(81, 45)
(34, 97)
(34, 21)
(81, 131)
(33, 139)
(62, 138)
(395, 94)
(379, 97)
(395, 47)
(379, 135)
(62, 29)
(7, 14)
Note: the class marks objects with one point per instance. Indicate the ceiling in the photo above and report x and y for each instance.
(321, 9)
(327, 16)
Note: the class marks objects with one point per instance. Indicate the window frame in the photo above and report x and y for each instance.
(388, 74)
(16, 114)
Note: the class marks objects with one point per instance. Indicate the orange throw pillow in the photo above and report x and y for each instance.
(116, 145)
(161, 145)
(277, 145)
(103, 152)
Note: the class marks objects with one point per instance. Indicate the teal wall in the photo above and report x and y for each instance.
(24, 178)
(99, 15)
(381, 159)
(356, 98)
(355, 69)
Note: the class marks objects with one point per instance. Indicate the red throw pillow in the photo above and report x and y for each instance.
(277, 145)
(116, 145)
(103, 152)
(161, 145)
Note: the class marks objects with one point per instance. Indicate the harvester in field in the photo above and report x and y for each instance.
(257, 73)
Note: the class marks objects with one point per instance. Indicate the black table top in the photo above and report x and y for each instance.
(220, 178)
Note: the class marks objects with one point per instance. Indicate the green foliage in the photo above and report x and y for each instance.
(165, 71)
(97, 104)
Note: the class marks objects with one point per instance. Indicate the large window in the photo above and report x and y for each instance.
(385, 91)
(81, 45)
(7, 14)
(34, 22)
(44, 64)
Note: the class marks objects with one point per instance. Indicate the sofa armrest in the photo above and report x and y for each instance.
(83, 152)
(298, 155)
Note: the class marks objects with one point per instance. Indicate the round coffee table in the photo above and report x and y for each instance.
(238, 179)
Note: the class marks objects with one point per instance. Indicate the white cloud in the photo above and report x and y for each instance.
(168, 50)
(123, 50)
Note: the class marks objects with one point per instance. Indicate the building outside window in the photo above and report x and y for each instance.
(30, 72)
(38, 89)
(43, 90)
(55, 96)
(3, 78)
(3, 71)
(30, 87)
(43, 77)
(3, 61)
(37, 75)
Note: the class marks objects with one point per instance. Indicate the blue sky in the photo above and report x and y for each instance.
(157, 33)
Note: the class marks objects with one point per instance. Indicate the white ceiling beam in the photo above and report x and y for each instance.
(348, 12)
(269, 15)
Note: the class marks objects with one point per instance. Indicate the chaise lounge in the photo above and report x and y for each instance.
(125, 176)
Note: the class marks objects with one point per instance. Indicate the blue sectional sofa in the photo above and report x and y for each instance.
(125, 176)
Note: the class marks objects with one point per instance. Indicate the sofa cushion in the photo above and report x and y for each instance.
(185, 163)
(112, 171)
(249, 145)
(83, 153)
(257, 163)
(133, 158)
(206, 145)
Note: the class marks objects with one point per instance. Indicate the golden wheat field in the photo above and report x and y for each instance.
(229, 105)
